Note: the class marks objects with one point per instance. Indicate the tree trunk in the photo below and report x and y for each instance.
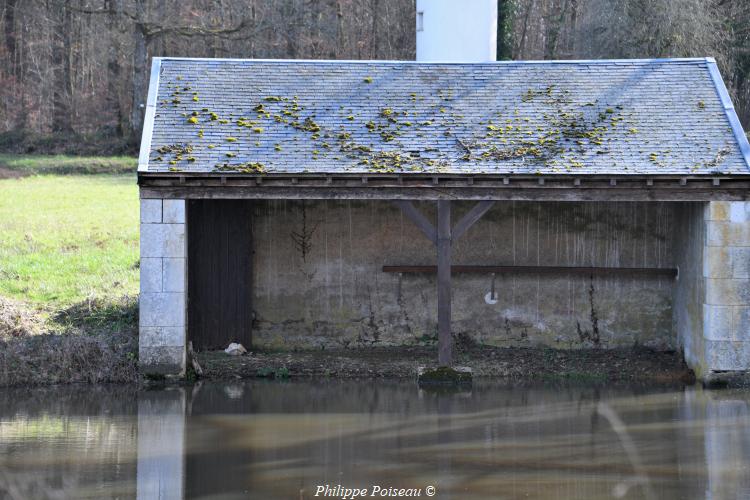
(504, 30)
(293, 30)
(114, 69)
(18, 115)
(340, 41)
(554, 26)
(62, 120)
(254, 20)
(375, 30)
(10, 35)
(140, 73)
(522, 43)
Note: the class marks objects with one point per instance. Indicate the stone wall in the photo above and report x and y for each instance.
(712, 296)
(690, 286)
(727, 273)
(163, 291)
(318, 279)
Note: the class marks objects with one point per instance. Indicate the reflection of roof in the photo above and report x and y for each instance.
(668, 116)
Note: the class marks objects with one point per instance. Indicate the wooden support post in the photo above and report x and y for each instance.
(445, 341)
(443, 238)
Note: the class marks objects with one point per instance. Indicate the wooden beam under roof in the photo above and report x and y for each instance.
(520, 188)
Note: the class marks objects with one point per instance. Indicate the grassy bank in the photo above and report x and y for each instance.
(68, 270)
(95, 343)
(12, 165)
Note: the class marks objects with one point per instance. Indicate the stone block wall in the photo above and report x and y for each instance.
(712, 295)
(163, 295)
(726, 269)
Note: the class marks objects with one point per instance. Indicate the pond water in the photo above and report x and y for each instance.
(266, 439)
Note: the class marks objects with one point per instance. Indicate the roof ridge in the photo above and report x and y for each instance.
(673, 60)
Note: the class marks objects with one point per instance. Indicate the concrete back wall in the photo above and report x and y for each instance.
(318, 280)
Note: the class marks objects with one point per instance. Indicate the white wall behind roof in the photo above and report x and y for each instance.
(456, 30)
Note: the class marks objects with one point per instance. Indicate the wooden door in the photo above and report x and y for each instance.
(220, 273)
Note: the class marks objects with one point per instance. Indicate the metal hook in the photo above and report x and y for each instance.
(491, 298)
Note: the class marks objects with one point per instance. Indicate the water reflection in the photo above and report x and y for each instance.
(161, 444)
(281, 440)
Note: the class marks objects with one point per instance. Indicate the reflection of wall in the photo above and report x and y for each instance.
(715, 438)
(318, 278)
(161, 444)
(727, 441)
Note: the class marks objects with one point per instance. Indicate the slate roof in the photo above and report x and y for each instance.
(663, 116)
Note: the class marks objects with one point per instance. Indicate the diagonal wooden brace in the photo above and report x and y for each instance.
(418, 219)
(470, 218)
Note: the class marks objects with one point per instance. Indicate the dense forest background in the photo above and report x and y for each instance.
(74, 73)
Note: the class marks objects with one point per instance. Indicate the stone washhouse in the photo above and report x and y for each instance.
(335, 204)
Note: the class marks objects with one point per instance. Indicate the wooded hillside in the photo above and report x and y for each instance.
(74, 73)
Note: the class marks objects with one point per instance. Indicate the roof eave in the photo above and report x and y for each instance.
(671, 176)
(148, 120)
(726, 102)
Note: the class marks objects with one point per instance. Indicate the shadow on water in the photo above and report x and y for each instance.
(270, 439)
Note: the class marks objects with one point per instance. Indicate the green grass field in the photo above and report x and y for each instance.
(67, 238)
(68, 267)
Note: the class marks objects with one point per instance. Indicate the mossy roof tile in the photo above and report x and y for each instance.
(563, 117)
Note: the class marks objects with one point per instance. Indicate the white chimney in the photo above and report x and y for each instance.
(457, 30)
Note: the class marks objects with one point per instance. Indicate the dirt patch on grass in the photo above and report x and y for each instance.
(592, 365)
(17, 320)
(7, 173)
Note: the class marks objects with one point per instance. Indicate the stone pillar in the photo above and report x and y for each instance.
(712, 294)
(726, 270)
(163, 288)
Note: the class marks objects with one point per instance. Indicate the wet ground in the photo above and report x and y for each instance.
(287, 439)
(590, 365)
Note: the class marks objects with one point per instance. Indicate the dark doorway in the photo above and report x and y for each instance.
(220, 270)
